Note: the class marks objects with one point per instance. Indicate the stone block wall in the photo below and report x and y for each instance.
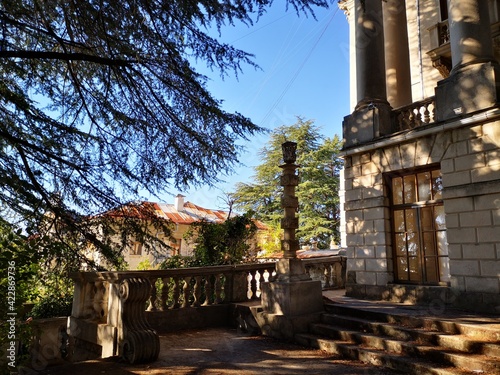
(469, 158)
(471, 174)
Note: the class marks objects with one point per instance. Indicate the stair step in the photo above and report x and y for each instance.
(487, 329)
(457, 342)
(440, 354)
(491, 350)
(375, 357)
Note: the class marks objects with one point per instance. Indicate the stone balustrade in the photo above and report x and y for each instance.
(416, 114)
(112, 310)
(331, 271)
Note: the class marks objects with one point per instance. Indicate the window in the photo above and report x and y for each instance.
(420, 250)
(443, 9)
(175, 245)
(136, 249)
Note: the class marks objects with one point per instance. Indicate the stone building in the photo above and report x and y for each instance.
(421, 197)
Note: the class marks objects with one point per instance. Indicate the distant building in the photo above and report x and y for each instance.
(180, 216)
(421, 197)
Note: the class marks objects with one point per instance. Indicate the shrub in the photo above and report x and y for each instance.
(52, 307)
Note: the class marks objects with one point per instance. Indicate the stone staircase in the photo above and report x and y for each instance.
(408, 339)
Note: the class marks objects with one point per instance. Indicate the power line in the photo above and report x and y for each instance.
(297, 72)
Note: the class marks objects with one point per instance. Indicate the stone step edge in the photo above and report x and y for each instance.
(378, 358)
(457, 341)
(471, 361)
(489, 330)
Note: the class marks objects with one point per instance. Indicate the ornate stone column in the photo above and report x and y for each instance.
(290, 268)
(473, 81)
(293, 293)
(371, 117)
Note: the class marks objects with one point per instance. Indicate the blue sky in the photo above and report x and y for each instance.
(304, 72)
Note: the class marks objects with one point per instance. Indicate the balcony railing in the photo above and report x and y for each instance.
(109, 315)
(414, 115)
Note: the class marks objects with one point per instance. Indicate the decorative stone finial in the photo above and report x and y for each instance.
(289, 149)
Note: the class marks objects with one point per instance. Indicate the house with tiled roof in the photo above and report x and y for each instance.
(180, 216)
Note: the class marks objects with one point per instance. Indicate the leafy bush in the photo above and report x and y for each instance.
(52, 307)
(223, 243)
(179, 261)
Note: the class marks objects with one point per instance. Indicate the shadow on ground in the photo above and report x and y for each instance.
(225, 351)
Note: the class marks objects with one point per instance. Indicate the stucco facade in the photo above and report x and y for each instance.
(421, 196)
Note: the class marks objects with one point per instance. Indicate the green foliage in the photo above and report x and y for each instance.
(100, 100)
(52, 307)
(179, 261)
(318, 187)
(19, 267)
(19, 264)
(272, 244)
(223, 243)
(145, 265)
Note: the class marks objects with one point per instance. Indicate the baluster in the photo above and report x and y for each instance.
(327, 276)
(208, 291)
(249, 285)
(404, 121)
(266, 275)
(152, 295)
(411, 119)
(337, 274)
(185, 292)
(418, 117)
(258, 277)
(272, 277)
(218, 289)
(427, 117)
(164, 294)
(253, 284)
(197, 291)
(176, 293)
(228, 287)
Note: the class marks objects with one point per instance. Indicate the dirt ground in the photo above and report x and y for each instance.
(225, 351)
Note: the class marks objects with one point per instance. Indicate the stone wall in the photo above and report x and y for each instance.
(469, 158)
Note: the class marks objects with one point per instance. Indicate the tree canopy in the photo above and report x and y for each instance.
(99, 101)
(318, 186)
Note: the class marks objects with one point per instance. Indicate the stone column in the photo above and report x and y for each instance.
(370, 57)
(348, 7)
(470, 33)
(397, 55)
(293, 293)
(473, 82)
(290, 268)
(371, 117)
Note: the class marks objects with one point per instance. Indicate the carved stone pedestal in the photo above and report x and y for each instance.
(292, 298)
(369, 121)
(469, 89)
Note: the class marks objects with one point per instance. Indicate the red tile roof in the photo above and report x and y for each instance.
(191, 213)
